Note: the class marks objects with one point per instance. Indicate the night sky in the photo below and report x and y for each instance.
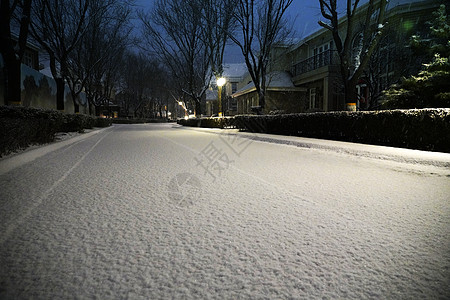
(303, 13)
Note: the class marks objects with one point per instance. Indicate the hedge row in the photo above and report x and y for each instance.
(138, 121)
(24, 126)
(217, 122)
(424, 129)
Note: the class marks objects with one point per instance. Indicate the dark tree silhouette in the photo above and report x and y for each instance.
(12, 50)
(353, 60)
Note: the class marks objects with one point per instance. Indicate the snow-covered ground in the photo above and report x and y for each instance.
(157, 211)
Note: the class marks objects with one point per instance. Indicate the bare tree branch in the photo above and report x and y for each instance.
(368, 39)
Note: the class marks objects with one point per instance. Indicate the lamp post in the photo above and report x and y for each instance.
(220, 82)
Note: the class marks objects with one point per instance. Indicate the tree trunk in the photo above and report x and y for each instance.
(11, 69)
(59, 93)
(76, 106)
(198, 108)
(262, 101)
(89, 104)
(12, 53)
(12, 73)
(351, 95)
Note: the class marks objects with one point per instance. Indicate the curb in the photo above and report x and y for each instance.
(387, 153)
(10, 163)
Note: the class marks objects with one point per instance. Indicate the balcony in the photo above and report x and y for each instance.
(326, 58)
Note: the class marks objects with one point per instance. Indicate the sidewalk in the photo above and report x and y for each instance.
(401, 155)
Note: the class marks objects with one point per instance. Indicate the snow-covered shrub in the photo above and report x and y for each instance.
(24, 126)
(21, 127)
(137, 121)
(426, 129)
(215, 122)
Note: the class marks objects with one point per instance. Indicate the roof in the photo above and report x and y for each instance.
(233, 72)
(276, 81)
(29, 43)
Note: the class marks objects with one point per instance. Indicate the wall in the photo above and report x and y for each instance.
(287, 101)
(39, 91)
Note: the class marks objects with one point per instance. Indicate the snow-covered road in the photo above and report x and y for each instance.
(158, 211)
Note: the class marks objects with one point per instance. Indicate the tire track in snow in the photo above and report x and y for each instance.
(10, 228)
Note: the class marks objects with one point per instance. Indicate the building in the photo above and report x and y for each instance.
(37, 89)
(234, 75)
(281, 95)
(313, 63)
(31, 54)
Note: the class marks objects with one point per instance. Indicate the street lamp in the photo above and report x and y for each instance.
(220, 82)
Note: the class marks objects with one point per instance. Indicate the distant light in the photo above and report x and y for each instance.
(180, 103)
(186, 117)
(221, 81)
(408, 25)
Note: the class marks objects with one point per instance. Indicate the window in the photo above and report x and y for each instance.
(234, 87)
(312, 98)
(28, 59)
(321, 54)
(234, 106)
(255, 101)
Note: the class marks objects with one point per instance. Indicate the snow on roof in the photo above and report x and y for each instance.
(276, 81)
(234, 70)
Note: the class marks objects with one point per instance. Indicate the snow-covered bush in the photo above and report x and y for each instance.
(137, 121)
(426, 129)
(216, 122)
(24, 126)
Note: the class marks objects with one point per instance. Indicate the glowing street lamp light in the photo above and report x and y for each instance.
(220, 82)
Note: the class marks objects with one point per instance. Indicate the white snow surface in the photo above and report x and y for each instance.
(286, 218)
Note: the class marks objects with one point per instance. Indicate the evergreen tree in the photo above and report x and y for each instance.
(429, 88)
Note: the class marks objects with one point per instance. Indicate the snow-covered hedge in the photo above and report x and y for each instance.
(23, 126)
(425, 129)
(216, 122)
(137, 121)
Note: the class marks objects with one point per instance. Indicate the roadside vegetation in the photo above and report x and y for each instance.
(21, 127)
(430, 87)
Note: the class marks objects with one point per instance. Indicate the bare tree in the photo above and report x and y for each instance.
(174, 31)
(58, 26)
(143, 87)
(93, 62)
(354, 49)
(219, 23)
(13, 51)
(261, 25)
